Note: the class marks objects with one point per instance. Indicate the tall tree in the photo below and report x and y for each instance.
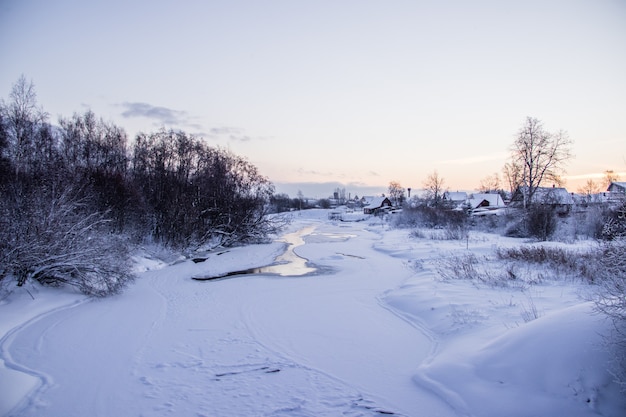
(23, 121)
(396, 193)
(513, 175)
(541, 156)
(589, 187)
(433, 186)
(609, 177)
(489, 183)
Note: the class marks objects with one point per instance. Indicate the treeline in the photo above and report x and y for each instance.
(74, 196)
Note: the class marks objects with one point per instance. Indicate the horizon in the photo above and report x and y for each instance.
(359, 93)
(325, 190)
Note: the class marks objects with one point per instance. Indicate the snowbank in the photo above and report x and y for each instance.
(372, 331)
(555, 365)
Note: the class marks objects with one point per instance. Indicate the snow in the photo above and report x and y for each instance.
(373, 330)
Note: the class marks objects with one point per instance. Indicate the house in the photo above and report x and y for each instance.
(455, 198)
(485, 201)
(617, 187)
(371, 205)
(557, 197)
(614, 194)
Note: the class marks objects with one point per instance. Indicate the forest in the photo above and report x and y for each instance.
(75, 196)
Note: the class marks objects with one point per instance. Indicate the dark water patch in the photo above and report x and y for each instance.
(289, 264)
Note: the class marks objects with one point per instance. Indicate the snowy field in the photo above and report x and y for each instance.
(367, 327)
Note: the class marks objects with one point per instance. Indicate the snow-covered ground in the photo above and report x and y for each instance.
(373, 330)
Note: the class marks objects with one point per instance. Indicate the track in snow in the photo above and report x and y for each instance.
(319, 345)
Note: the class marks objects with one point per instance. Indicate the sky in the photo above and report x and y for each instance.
(326, 94)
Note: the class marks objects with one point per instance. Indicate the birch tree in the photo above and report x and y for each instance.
(434, 188)
(540, 155)
(396, 193)
(22, 119)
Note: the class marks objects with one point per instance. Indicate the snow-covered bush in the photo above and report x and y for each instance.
(615, 224)
(541, 222)
(52, 237)
(555, 261)
(449, 224)
(448, 232)
(611, 300)
(490, 224)
(592, 223)
(469, 267)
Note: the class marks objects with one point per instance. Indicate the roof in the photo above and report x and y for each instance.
(455, 196)
(619, 184)
(493, 200)
(374, 202)
(556, 195)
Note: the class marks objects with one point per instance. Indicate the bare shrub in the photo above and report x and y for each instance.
(490, 224)
(612, 279)
(541, 222)
(461, 267)
(468, 267)
(54, 239)
(530, 311)
(592, 223)
(449, 232)
(417, 234)
(407, 218)
(559, 261)
(615, 224)
(430, 217)
(516, 227)
(611, 301)
(446, 224)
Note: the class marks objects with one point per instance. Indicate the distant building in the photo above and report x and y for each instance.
(455, 198)
(617, 187)
(373, 204)
(615, 193)
(485, 201)
(557, 197)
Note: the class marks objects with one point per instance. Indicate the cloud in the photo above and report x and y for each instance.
(235, 134)
(592, 176)
(476, 159)
(307, 172)
(161, 115)
(225, 130)
(240, 138)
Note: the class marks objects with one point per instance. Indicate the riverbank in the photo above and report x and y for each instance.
(371, 330)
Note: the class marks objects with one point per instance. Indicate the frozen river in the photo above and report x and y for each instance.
(319, 342)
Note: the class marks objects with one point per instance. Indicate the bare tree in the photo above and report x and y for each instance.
(195, 193)
(490, 183)
(589, 187)
(611, 300)
(23, 119)
(609, 177)
(513, 175)
(50, 235)
(396, 193)
(541, 155)
(434, 188)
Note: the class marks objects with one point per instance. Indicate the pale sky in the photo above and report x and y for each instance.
(358, 93)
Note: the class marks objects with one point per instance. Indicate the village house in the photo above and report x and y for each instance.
(372, 205)
(485, 202)
(557, 197)
(456, 199)
(617, 187)
(614, 194)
